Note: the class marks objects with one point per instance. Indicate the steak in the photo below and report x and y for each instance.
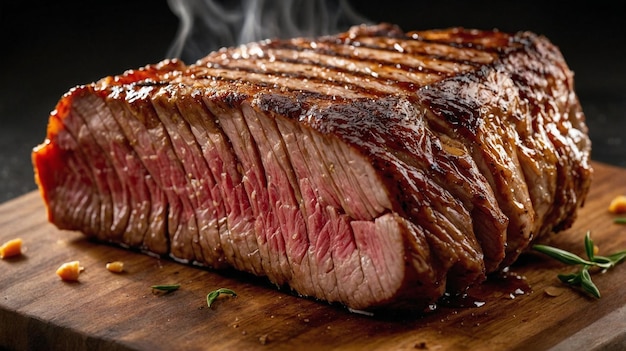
(375, 169)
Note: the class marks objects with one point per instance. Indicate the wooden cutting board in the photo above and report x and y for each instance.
(107, 311)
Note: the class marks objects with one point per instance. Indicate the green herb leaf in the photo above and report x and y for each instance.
(587, 284)
(620, 220)
(589, 247)
(213, 295)
(582, 278)
(572, 279)
(166, 287)
(603, 262)
(617, 257)
(562, 255)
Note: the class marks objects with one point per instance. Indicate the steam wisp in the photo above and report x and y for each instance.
(207, 25)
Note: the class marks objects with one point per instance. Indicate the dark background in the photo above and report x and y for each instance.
(48, 48)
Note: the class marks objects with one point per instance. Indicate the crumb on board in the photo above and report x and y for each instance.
(11, 248)
(115, 266)
(69, 271)
(264, 339)
(420, 345)
(618, 204)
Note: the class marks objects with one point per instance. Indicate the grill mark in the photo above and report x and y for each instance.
(487, 41)
(300, 94)
(282, 79)
(379, 91)
(453, 44)
(384, 73)
(257, 59)
(422, 48)
(263, 86)
(434, 57)
(390, 56)
(460, 46)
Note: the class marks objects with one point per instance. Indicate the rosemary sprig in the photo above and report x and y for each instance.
(213, 295)
(582, 278)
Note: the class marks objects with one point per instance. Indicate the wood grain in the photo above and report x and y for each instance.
(107, 311)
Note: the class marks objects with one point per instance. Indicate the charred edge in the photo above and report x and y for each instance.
(524, 41)
(282, 105)
(463, 118)
(150, 83)
(235, 99)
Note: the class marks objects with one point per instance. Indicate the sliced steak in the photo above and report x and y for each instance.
(372, 168)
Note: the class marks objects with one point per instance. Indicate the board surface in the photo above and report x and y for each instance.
(107, 311)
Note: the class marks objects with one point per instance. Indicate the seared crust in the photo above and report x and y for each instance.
(371, 168)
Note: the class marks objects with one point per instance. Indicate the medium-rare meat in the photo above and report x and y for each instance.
(372, 168)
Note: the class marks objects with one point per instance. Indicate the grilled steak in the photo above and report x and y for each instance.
(373, 168)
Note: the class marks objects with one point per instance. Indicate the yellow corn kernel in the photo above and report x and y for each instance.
(70, 271)
(618, 204)
(11, 248)
(115, 266)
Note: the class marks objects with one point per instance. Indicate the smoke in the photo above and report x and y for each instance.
(207, 25)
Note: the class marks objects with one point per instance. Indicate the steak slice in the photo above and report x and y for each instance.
(373, 168)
